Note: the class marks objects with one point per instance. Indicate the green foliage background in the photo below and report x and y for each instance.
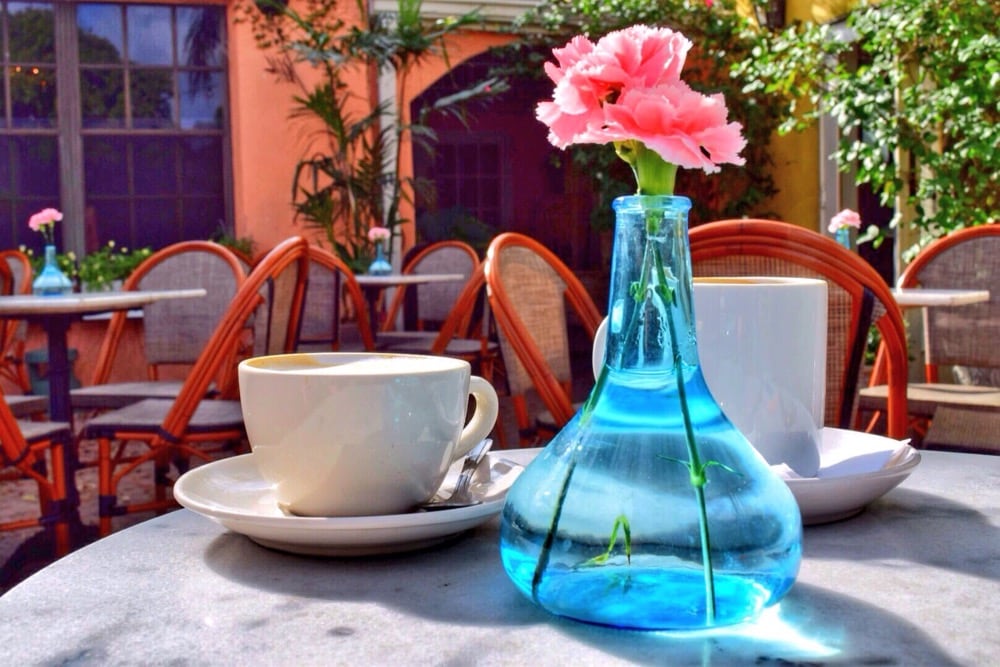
(722, 39)
(919, 76)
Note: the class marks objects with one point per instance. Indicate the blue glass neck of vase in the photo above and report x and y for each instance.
(50, 255)
(651, 282)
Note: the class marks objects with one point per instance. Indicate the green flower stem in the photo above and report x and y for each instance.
(550, 536)
(696, 469)
(653, 174)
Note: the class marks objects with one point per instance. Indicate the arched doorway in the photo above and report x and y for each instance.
(499, 173)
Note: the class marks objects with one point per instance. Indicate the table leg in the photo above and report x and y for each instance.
(60, 405)
(372, 293)
(60, 408)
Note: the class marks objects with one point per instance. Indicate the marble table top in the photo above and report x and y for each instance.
(87, 302)
(909, 297)
(394, 279)
(913, 580)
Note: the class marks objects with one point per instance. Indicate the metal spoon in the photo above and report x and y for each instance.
(460, 497)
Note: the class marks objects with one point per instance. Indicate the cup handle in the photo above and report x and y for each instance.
(483, 419)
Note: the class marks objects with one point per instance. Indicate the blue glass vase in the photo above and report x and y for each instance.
(649, 510)
(843, 237)
(51, 281)
(380, 266)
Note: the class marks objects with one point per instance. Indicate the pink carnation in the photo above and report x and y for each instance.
(628, 87)
(43, 218)
(588, 76)
(684, 127)
(377, 234)
(846, 218)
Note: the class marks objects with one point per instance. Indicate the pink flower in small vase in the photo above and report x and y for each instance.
(379, 234)
(843, 220)
(44, 222)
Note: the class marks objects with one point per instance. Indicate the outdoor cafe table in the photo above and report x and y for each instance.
(56, 314)
(373, 286)
(913, 580)
(918, 297)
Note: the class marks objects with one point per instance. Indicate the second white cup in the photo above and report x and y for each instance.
(762, 346)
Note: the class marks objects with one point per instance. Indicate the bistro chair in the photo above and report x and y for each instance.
(173, 430)
(963, 415)
(175, 331)
(34, 450)
(425, 307)
(15, 278)
(465, 333)
(332, 290)
(857, 298)
(529, 288)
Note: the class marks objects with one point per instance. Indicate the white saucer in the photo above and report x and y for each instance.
(232, 492)
(839, 495)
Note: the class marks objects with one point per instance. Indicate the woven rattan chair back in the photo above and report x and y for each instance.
(857, 296)
(966, 336)
(14, 333)
(333, 296)
(431, 302)
(175, 331)
(34, 450)
(287, 264)
(529, 288)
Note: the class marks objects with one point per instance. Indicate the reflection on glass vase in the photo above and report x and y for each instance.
(649, 509)
(380, 266)
(51, 281)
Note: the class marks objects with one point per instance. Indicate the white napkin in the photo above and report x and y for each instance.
(843, 453)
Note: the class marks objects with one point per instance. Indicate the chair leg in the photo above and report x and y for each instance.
(107, 497)
(61, 479)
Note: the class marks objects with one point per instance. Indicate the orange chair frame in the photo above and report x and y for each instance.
(785, 241)
(173, 436)
(411, 263)
(555, 395)
(334, 263)
(910, 276)
(30, 461)
(113, 334)
(12, 364)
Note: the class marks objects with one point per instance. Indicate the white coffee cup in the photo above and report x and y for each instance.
(355, 434)
(762, 346)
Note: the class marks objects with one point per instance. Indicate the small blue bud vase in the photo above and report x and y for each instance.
(380, 266)
(649, 510)
(51, 281)
(843, 237)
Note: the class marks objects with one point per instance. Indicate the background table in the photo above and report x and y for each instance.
(911, 581)
(912, 297)
(56, 313)
(373, 286)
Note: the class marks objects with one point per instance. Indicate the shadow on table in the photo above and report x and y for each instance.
(810, 626)
(917, 527)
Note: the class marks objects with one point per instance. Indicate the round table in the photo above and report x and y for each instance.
(913, 580)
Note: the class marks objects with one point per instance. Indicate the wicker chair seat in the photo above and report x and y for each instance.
(148, 415)
(114, 395)
(26, 406)
(923, 398)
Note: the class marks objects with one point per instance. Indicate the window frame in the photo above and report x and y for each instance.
(69, 128)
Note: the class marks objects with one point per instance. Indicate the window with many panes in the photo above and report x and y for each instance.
(133, 147)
